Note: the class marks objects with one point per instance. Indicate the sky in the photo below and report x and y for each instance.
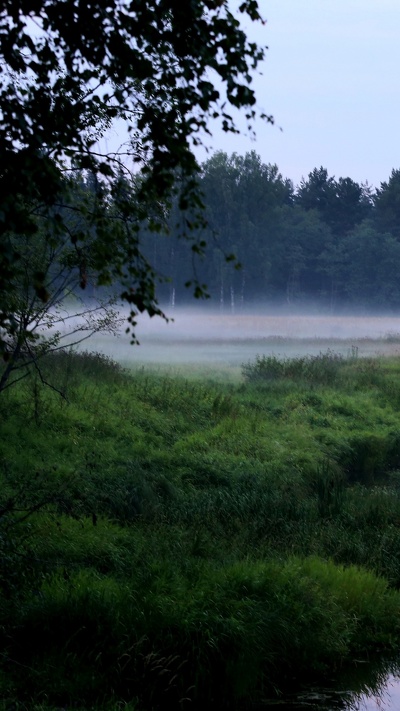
(331, 79)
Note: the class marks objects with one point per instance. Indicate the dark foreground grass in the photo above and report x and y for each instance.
(170, 543)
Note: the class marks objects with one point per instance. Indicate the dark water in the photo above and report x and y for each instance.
(367, 686)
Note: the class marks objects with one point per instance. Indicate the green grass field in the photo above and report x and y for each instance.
(170, 541)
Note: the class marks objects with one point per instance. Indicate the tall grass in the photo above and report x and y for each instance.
(323, 368)
(166, 542)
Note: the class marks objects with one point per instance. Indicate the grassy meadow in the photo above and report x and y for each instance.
(172, 542)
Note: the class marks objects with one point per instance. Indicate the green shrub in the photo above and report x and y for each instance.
(322, 369)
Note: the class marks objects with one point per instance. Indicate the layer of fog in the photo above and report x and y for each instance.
(195, 325)
(211, 338)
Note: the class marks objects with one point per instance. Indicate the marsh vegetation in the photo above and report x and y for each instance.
(187, 542)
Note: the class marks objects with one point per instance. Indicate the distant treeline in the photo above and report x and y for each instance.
(327, 239)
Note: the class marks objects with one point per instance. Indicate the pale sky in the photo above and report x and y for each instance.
(331, 79)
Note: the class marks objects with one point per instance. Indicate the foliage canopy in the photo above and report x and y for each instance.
(68, 70)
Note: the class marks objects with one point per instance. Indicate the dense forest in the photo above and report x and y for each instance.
(256, 239)
(327, 239)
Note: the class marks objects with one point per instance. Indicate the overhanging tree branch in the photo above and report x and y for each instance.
(146, 63)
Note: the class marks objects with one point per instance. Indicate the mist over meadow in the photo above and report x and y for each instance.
(239, 530)
(207, 336)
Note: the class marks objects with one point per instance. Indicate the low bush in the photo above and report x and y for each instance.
(322, 369)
